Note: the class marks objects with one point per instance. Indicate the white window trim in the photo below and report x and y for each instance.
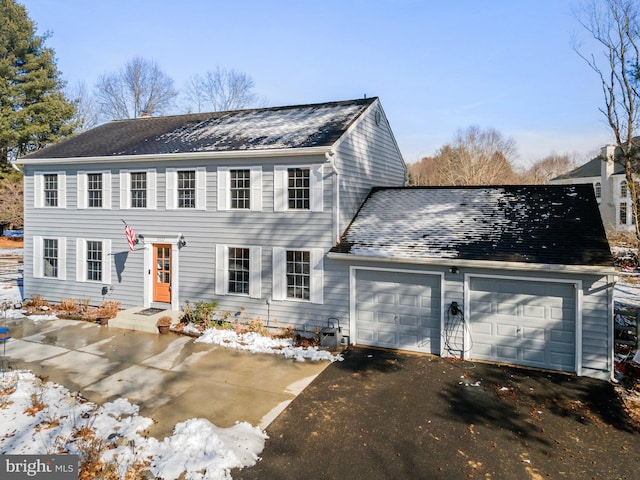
(125, 189)
(81, 260)
(281, 187)
(222, 270)
(38, 189)
(316, 288)
(83, 192)
(224, 189)
(172, 188)
(38, 257)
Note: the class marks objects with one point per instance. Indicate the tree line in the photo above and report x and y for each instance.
(479, 156)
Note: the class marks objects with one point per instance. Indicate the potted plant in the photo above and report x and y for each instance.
(163, 324)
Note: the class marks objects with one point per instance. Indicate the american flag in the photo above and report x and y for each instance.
(131, 237)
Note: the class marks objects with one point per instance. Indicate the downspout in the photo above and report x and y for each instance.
(330, 156)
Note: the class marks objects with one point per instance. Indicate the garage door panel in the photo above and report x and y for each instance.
(405, 310)
(388, 318)
(506, 331)
(534, 356)
(409, 320)
(408, 300)
(482, 328)
(534, 312)
(387, 338)
(505, 308)
(533, 333)
(534, 318)
(385, 299)
(365, 316)
(507, 353)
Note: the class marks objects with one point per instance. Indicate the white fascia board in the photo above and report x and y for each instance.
(451, 262)
(239, 154)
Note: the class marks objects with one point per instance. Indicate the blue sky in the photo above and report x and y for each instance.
(437, 66)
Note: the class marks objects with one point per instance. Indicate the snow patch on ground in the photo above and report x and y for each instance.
(198, 449)
(256, 343)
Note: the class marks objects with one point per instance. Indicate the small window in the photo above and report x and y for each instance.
(50, 190)
(298, 274)
(598, 188)
(623, 213)
(623, 188)
(239, 270)
(186, 189)
(240, 188)
(94, 260)
(298, 190)
(50, 257)
(139, 190)
(94, 190)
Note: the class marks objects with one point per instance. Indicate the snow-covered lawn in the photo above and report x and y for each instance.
(39, 417)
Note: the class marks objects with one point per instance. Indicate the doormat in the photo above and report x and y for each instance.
(150, 311)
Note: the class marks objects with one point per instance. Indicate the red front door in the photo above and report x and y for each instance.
(162, 278)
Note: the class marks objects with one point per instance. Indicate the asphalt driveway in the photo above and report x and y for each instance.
(387, 415)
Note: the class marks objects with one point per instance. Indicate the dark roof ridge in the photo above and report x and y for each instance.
(209, 114)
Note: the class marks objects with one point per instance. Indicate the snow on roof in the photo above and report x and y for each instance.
(557, 224)
(313, 125)
(260, 129)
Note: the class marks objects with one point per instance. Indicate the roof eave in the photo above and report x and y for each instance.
(451, 262)
(226, 155)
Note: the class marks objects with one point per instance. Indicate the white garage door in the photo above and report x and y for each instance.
(523, 322)
(398, 310)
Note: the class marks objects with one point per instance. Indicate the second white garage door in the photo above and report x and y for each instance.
(531, 323)
(398, 310)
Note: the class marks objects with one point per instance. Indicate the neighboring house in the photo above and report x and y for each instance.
(252, 209)
(610, 186)
(520, 274)
(240, 207)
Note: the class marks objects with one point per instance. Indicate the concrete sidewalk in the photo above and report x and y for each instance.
(170, 377)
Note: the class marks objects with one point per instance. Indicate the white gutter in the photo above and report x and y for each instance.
(330, 156)
(452, 262)
(227, 155)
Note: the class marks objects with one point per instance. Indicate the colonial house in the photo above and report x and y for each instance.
(610, 186)
(299, 216)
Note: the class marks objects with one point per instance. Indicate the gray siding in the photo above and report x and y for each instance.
(202, 230)
(368, 156)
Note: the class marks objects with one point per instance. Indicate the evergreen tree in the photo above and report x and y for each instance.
(33, 109)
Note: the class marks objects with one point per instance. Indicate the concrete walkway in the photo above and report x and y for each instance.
(170, 377)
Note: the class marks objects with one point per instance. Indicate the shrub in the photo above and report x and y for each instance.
(200, 313)
(109, 309)
(68, 304)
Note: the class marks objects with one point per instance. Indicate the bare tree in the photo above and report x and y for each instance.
(615, 25)
(220, 90)
(476, 157)
(87, 111)
(424, 172)
(139, 88)
(549, 167)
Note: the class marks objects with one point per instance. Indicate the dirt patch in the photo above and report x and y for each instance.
(6, 242)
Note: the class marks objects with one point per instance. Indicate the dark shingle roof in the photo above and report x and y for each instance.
(593, 168)
(314, 125)
(546, 224)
